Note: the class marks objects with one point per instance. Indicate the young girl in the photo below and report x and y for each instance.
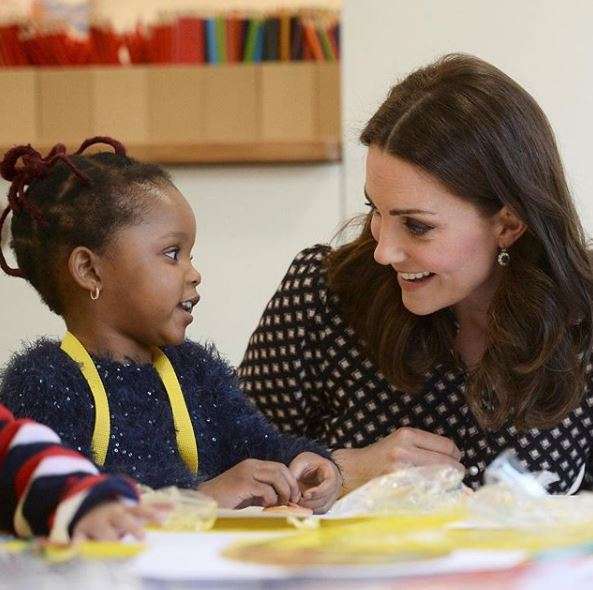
(106, 241)
(47, 489)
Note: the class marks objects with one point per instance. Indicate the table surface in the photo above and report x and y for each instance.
(180, 561)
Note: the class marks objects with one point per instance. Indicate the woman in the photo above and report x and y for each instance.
(459, 322)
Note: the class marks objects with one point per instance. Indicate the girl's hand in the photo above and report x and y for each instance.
(402, 448)
(113, 520)
(319, 480)
(253, 483)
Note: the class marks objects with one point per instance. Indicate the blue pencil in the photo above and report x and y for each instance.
(211, 40)
(258, 50)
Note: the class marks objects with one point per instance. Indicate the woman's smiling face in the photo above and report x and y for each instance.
(442, 249)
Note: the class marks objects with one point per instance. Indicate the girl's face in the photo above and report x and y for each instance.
(149, 281)
(441, 248)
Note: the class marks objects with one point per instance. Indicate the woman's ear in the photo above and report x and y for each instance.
(85, 269)
(508, 227)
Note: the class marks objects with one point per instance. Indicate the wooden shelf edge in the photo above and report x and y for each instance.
(228, 153)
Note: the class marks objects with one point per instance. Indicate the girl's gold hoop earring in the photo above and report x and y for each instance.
(503, 257)
(95, 293)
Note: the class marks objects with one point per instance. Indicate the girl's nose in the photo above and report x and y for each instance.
(195, 278)
(389, 250)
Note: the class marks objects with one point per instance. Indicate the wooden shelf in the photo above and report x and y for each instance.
(235, 113)
(248, 152)
(224, 153)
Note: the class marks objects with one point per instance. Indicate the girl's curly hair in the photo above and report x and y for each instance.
(63, 200)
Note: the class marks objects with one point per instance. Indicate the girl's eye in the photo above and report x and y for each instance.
(371, 206)
(173, 254)
(417, 227)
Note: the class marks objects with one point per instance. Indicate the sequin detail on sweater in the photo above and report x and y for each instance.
(45, 384)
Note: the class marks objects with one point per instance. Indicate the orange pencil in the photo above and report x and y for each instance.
(312, 41)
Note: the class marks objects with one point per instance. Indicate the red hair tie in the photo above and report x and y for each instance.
(35, 166)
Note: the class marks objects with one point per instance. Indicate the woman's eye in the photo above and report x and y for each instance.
(173, 254)
(371, 207)
(417, 227)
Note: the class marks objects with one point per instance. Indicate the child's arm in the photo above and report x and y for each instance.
(249, 435)
(251, 440)
(249, 461)
(46, 488)
(235, 429)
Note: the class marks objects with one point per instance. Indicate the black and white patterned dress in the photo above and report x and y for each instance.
(305, 371)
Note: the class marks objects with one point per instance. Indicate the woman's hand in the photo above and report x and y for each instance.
(253, 483)
(113, 520)
(403, 447)
(319, 480)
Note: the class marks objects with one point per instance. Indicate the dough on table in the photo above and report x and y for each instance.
(289, 510)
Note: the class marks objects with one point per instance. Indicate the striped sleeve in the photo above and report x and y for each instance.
(46, 488)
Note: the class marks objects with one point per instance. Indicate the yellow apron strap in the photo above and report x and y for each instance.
(184, 430)
(76, 351)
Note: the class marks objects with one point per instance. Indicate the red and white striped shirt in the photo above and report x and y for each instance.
(45, 488)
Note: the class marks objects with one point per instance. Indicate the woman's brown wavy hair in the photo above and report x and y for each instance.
(486, 139)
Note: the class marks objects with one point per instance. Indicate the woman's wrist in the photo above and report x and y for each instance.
(350, 463)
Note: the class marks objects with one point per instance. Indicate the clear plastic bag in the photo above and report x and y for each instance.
(191, 510)
(512, 497)
(501, 506)
(415, 489)
(507, 469)
(515, 497)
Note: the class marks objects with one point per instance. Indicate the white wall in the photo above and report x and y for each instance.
(544, 44)
(251, 222)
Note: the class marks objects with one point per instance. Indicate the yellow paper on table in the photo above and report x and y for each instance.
(255, 518)
(405, 537)
(374, 540)
(13, 545)
(91, 550)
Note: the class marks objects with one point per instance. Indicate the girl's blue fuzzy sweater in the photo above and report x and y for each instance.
(45, 384)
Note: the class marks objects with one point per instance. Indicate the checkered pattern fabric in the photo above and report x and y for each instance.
(305, 370)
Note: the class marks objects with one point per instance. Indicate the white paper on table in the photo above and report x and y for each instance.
(197, 557)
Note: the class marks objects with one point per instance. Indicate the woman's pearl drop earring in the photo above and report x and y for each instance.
(503, 257)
